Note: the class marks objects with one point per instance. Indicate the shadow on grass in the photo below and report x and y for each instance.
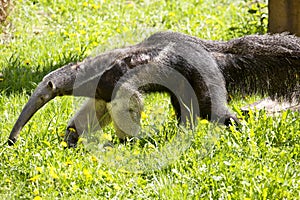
(19, 76)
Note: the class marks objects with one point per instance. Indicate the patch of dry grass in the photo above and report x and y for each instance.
(4, 9)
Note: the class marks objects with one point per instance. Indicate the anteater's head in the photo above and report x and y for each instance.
(57, 83)
(80, 79)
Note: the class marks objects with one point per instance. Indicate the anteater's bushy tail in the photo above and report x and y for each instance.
(267, 64)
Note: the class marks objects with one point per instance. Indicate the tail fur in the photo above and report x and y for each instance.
(265, 64)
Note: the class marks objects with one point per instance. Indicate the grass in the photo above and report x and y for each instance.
(4, 9)
(258, 161)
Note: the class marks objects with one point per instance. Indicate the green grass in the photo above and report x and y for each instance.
(258, 161)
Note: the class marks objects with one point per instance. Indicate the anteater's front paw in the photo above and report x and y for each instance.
(71, 137)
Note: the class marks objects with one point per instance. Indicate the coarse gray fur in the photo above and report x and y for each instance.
(267, 64)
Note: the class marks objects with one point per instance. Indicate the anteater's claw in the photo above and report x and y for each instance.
(71, 137)
(11, 142)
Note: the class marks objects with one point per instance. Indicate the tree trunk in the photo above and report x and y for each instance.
(284, 16)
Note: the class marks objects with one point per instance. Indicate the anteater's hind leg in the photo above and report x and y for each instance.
(210, 102)
(92, 116)
(216, 111)
(213, 104)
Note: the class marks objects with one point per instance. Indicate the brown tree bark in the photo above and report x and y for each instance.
(284, 16)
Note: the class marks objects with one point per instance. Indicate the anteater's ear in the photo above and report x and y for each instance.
(51, 85)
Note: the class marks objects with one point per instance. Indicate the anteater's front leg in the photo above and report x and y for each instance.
(125, 112)
(91, 117)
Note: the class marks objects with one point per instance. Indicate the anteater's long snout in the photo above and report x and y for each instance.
(43, 94)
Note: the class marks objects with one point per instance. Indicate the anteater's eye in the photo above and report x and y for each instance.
(50, 85)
